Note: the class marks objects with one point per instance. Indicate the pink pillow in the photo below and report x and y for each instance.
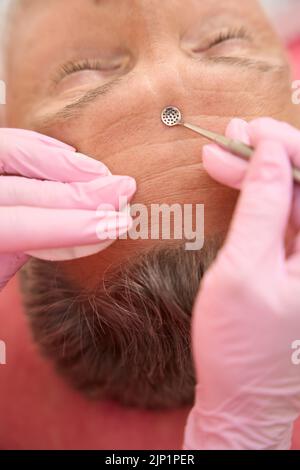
(294, 53)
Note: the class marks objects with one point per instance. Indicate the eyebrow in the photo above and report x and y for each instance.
(72, 110)
(243, 62)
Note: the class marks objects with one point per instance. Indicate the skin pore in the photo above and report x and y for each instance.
(97, 75)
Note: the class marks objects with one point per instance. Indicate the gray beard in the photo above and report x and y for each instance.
(128, 339)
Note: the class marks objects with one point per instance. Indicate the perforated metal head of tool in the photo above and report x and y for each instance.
(171, 116)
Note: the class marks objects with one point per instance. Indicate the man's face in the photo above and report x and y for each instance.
(96, 74)
(138, 57)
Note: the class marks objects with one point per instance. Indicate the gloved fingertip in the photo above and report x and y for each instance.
(56, 143)
(69, 253)
(50, 141)
(239, 129)
(113, 225)
(34, 136)
(262, 128)
(129, 186)
(90, 164)
(270, 163)
(223, 166)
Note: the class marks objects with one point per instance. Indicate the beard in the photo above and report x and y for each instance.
(128, 339)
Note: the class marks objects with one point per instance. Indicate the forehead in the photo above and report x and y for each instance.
(145, 5)
(134, 17)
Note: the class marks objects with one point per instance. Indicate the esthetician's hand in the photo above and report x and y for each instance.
(49, 196)
(246, 318)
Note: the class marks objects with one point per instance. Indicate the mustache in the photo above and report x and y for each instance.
(128, 338)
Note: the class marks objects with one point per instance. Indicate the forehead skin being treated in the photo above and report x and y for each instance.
(96, 75)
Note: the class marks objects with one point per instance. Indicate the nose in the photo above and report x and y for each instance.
(164, 75)
(164, 80)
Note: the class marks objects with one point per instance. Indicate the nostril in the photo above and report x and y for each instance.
(171, 116)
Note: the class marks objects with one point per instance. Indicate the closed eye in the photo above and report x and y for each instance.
(227, 34)
(72, 67)
(235, 35)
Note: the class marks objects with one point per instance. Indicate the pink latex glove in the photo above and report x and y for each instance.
(247, 313)
(52, 200)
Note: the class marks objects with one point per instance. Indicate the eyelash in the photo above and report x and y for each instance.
(226, 35)
(95, 64)
(86, 64)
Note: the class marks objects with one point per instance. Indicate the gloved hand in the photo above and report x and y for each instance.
(51, 200)
(247, 313)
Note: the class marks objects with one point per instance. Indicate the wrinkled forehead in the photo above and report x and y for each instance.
(144, 7)
(137, 3)
(159, 19)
